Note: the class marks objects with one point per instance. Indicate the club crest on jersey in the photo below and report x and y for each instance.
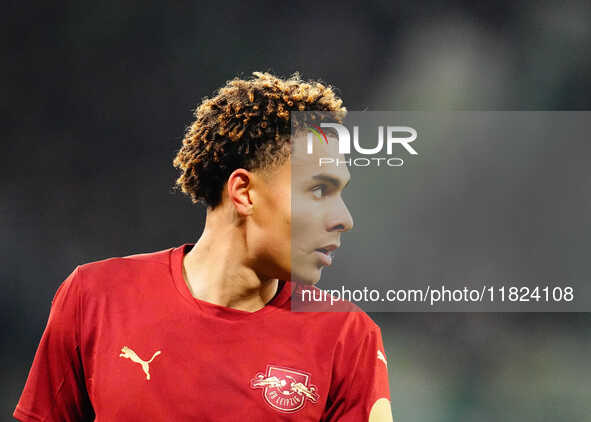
(285, 389)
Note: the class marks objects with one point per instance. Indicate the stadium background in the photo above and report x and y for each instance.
(96, 96)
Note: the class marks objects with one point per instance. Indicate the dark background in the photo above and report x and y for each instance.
(96, 96)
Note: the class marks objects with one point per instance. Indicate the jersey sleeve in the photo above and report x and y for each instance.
(55, 389)
(360, 378)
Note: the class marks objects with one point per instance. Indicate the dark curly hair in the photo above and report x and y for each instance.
(246, 125)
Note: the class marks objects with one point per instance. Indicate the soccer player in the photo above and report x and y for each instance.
(205, 331)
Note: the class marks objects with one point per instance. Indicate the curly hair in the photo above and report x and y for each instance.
(246, 125)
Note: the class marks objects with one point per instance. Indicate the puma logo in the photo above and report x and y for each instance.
(126, 352)
(382, 358)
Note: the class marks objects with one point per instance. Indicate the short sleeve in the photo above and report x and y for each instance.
(360, 378)
(55, 389)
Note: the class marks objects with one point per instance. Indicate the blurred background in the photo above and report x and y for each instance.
(96, 96)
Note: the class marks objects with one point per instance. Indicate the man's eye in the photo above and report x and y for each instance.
(319, 191)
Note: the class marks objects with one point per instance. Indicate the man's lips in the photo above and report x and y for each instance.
(328, 248)
(326, 253)
(325, 256)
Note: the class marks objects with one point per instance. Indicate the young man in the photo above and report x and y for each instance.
(206, 331)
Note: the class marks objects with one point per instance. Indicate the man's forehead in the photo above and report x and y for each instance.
(327, 173)
(307, 166)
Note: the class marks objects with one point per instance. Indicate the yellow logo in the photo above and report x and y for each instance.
(382, 358)
(126, 352)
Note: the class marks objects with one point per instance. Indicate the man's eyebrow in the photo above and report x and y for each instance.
(336, 182)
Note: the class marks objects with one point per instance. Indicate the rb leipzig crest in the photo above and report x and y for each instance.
(285, 389)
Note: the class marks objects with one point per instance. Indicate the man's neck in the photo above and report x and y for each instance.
(215, 272)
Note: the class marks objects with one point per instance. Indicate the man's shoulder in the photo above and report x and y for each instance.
(114, 270)
(348, 315)
(160, 257)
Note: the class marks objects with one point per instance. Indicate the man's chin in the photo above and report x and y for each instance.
(306, 279)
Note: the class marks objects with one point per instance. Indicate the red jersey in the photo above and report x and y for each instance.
(126, 341)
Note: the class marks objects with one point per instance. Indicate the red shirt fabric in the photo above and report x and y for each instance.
(126, 341)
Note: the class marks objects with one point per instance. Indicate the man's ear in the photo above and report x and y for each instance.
(239, 187)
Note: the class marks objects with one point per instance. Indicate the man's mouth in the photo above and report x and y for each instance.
(325, 256)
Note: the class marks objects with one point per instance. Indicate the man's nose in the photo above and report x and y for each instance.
(342, 220)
